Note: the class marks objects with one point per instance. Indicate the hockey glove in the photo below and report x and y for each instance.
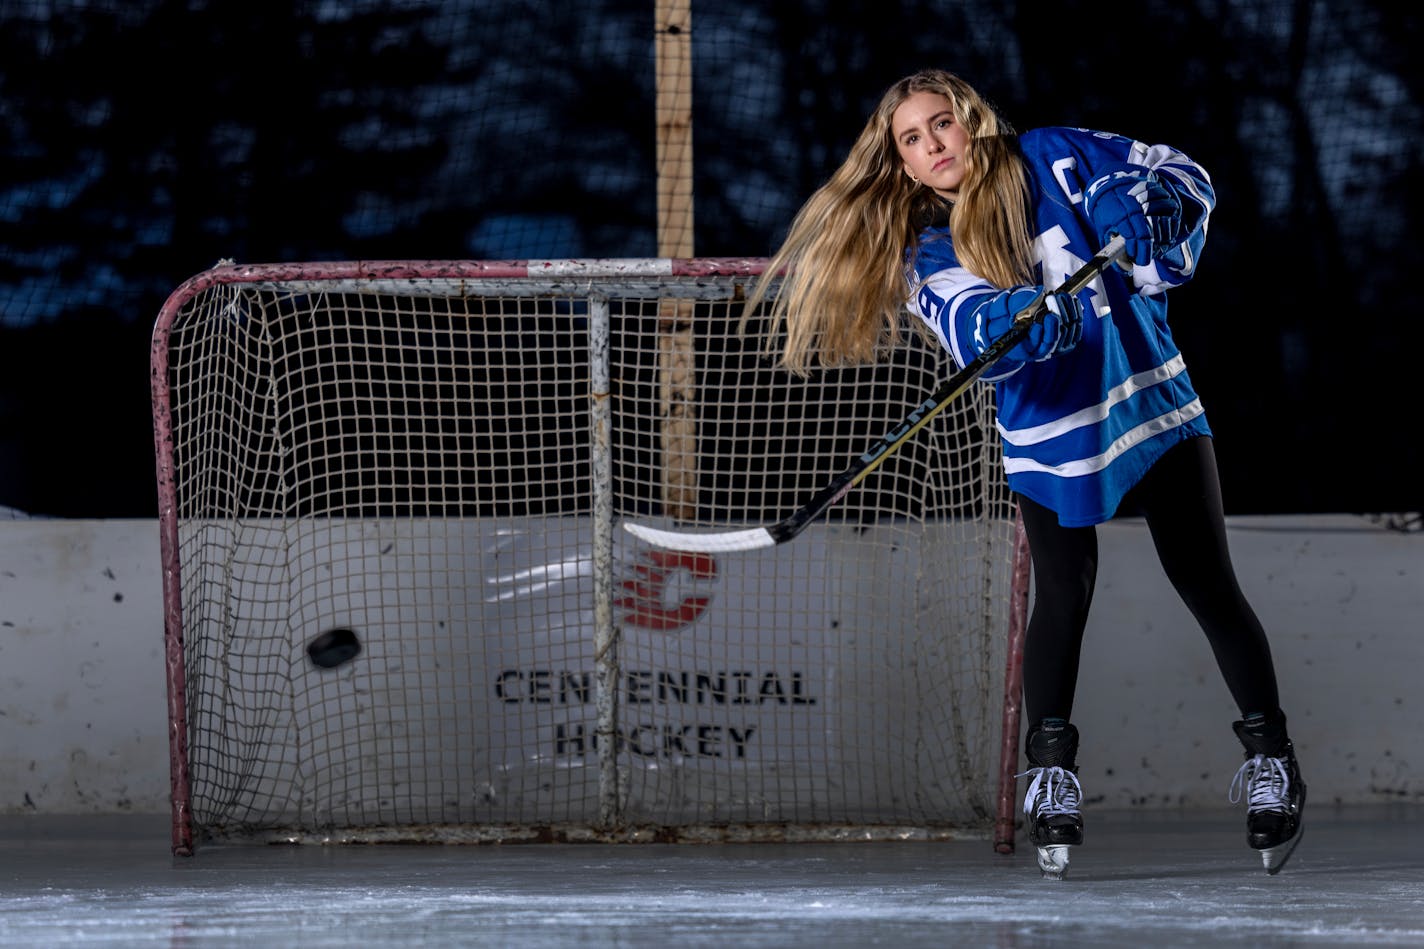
(1134, 203)
(1058, 331)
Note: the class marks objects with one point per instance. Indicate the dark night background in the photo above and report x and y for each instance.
(143, 141)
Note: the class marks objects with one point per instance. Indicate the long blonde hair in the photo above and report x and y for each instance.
(843, 282)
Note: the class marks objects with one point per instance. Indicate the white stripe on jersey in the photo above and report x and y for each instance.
(1083, 466)
(1094, 413)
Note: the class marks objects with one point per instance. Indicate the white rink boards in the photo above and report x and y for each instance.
(813, 682)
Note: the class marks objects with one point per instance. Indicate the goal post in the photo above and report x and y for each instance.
(436, 455)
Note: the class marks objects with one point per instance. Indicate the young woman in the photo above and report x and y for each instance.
(941, 207)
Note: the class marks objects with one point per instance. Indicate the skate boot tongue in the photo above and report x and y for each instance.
(1053, 743)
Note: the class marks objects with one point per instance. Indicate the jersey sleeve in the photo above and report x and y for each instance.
(1078, 157)
(1190, 183)
(947, 297)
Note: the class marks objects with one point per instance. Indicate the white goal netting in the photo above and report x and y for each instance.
(439, 456)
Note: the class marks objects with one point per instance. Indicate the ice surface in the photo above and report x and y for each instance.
(1138, 880)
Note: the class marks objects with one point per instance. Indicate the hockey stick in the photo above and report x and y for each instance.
(949, 390)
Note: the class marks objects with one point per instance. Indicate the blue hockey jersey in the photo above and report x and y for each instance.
(1079, 429)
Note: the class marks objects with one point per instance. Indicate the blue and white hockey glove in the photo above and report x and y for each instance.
(1057, 332)
(1134, 203)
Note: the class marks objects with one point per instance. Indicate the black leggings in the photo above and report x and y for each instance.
(1180, 497)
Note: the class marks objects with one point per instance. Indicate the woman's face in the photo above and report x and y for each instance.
(931, 143)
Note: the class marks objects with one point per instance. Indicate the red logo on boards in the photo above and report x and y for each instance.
(646, 596)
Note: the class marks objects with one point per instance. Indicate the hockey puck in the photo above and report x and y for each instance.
(333, 647)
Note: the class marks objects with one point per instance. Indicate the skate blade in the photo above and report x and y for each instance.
(1273, 858)
(1053, 861)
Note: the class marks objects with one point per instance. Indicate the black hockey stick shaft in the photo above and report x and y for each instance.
(940, 398)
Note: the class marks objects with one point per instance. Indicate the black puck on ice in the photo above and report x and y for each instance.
(333, 647)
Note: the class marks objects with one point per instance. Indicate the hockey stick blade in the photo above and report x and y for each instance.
(716, 543)
(949, 390)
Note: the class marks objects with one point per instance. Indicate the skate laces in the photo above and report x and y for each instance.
(1266, 782)
(1052, 791)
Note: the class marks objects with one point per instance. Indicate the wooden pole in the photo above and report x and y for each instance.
(676, 356)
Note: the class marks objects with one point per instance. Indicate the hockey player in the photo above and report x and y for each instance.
(941, 207)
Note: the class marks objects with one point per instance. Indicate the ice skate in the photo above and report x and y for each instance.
(1054, 795)
(1275, 794)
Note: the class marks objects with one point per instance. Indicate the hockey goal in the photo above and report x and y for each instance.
(436, 456)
